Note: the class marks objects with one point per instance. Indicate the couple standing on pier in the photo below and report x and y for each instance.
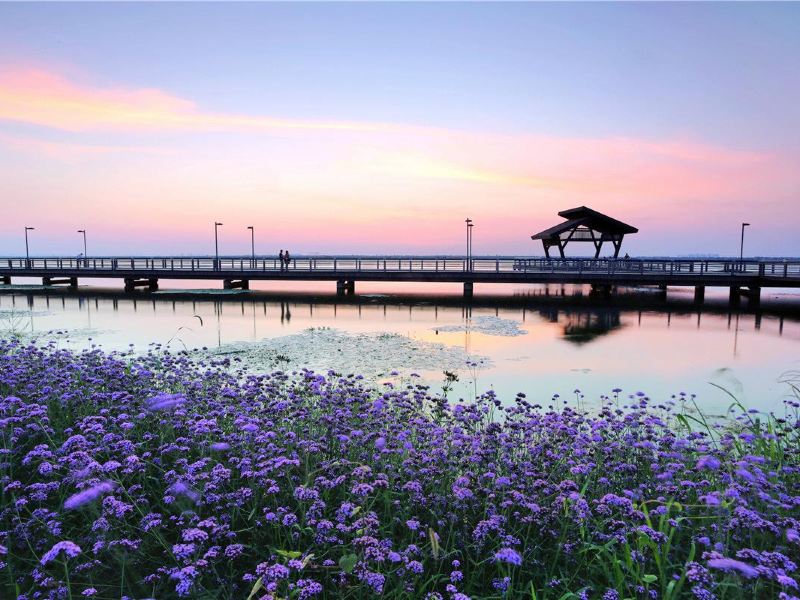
(284, 259)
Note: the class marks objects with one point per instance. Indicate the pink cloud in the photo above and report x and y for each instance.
(44, 98)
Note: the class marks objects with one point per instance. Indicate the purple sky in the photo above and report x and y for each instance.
(380, 127)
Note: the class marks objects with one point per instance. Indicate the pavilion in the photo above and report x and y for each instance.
(584, 225)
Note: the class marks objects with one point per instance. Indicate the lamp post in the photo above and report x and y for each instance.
(468, 222)
(27, 254)
(741, 246)
(83, 231)
(252, 246)
(216, 245)
(469, 231)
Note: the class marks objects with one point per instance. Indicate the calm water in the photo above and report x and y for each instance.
(532, 339)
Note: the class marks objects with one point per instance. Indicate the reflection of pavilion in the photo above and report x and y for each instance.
(584, 225)
(581, 327)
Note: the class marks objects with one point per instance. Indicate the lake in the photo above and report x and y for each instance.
(534, 339)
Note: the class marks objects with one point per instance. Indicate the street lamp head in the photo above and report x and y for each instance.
(249, 226)
(29, 228)
(745, 224)
(215, 223)
(81, 231)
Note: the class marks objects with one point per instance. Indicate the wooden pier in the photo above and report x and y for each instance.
(742, 277)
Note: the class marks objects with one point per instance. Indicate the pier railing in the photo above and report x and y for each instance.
(781, 268)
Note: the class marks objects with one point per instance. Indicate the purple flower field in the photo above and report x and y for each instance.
(162, 476)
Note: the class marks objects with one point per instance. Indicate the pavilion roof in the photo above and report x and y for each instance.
(588, 217)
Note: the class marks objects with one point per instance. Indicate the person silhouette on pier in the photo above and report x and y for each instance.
(280, 259)
(286, 259)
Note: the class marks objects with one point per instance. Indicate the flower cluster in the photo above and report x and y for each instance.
(168, 476)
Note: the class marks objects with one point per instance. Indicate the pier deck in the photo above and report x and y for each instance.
(603, 274)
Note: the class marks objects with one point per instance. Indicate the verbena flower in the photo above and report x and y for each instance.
(508, 555)
(708, 462)
(165, 401)
(90, 494)
(731, 564)
(69, 549)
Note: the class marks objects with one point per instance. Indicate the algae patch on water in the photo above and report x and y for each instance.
(488, 325)
(370, 354)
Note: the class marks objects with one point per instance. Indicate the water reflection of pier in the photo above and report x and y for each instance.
(583, 326)
(582, 318)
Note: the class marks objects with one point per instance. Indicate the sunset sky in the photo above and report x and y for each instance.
(343, 128)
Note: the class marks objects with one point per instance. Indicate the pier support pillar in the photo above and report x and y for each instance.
(131, 284)
(233, 284)
(69, 281)
(600, 289)
(753, 296)
(468, 289)
(5, 279)
(734, 294)
(344, 286)
(699, 294)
